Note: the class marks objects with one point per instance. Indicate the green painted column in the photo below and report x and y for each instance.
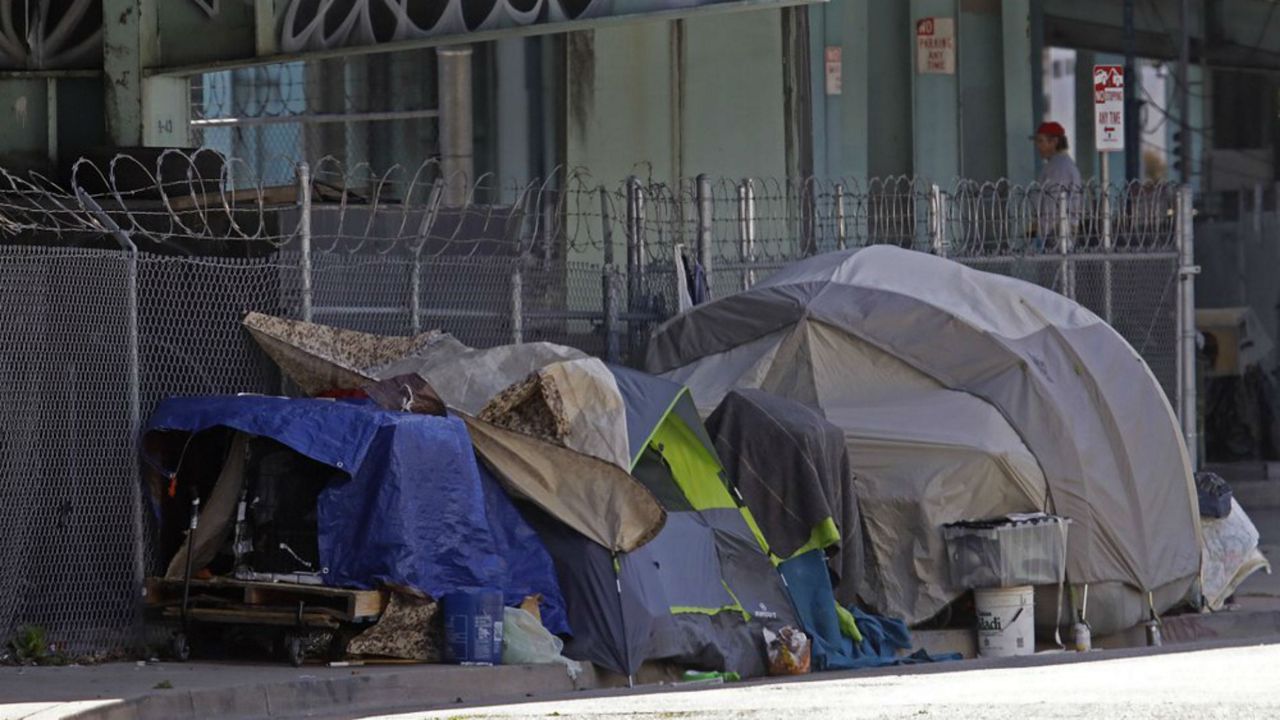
(140, 110)
(890, 59)
(935, 100)
(1085, 152)
(988, 140)
(1021, 62)
(841, 121)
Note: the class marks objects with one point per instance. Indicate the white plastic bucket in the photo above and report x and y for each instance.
(1006, 621)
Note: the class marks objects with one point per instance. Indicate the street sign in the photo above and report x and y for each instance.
(1108, 105)
(834, 57)
(936, 46)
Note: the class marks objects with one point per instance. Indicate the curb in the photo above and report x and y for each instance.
(407, 691)
(443, 686)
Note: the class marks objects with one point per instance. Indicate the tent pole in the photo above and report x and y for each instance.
(622, 613)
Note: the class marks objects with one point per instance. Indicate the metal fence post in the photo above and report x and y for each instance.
(938, 221)
(635, 260)
(609, 297)
(424, 230)
(517, 301)
(1108, 244)
(304, 236)
(1065, 245)
(842, 228)
(705, 211)
(134, 342)
(747, 232)
(1257, 211)
(809, 217)
(1187, 371)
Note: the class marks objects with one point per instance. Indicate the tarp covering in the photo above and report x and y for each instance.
(616, 511)
(319, 358)
(909, 332)
(792, 468)
(416, 508)
(596, 498)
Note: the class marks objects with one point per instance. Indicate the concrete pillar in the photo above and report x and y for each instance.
(457, 162)
(891, 59)
(935, 104)
(985, 103)
(140, 110)
(1085, 151)
(515, 110)
(841, 123)
(1020, 63)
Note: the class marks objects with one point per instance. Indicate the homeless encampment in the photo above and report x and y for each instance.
(553, 425)
(398, 499)
(963, 394)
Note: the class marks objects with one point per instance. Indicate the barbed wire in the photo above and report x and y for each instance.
(204, 201)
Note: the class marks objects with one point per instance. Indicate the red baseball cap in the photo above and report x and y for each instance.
(1051, 129)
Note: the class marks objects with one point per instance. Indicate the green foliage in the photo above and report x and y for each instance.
(30, 646)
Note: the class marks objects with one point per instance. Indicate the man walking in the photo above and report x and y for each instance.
(1059, 177)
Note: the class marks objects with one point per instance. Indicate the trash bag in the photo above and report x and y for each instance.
(788, 651)
(1213, 494)
(526, 642)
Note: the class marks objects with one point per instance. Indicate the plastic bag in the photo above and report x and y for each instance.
(788, 651)
(526, 642)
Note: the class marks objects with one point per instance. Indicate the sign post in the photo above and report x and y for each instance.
(1108, 131)
(1108, 103)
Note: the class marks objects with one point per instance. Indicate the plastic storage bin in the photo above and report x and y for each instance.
(1007, 552)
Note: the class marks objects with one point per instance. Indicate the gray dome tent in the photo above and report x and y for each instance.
(1007, 394)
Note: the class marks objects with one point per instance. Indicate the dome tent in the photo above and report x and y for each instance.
(963, 390)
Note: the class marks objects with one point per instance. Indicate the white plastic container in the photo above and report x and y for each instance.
(1006, 621)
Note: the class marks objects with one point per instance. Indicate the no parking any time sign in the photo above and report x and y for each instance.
(1108, 101)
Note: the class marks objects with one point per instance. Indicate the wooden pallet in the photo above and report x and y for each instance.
(257, 616)
(340, 604)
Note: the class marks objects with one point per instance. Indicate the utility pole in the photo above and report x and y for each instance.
(1133, 123)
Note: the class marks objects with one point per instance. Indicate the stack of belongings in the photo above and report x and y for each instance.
(656, 558)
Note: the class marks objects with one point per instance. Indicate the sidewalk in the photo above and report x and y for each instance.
(186, 691)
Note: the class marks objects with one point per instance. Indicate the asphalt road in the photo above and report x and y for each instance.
(1242, 682)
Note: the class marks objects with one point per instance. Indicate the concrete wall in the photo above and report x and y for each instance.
(675, 99)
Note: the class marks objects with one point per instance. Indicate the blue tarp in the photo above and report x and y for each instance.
(882, 638)
(417, 509)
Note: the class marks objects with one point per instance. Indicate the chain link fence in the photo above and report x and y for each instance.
(129, 285)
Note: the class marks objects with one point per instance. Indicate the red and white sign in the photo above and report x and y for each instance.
(835, 70)
(936, 46)
(1108, 106)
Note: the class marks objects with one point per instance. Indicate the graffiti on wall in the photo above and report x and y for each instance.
(50, 34)
(326, 24)
(60, 34)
